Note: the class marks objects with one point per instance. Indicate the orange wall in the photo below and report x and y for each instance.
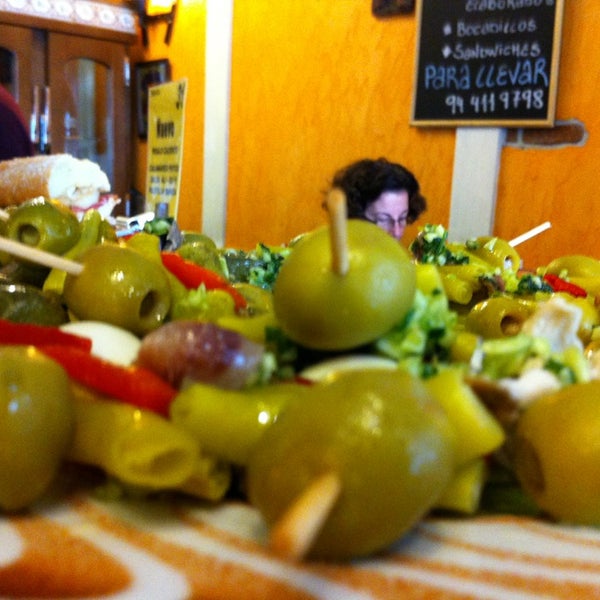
(560, 185)
(186, 55)
(317, 84)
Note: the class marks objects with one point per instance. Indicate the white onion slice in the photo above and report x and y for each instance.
(109, 342)
(330, 368)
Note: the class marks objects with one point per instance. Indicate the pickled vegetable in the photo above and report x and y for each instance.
(44, 224)
(148, 245)
(463, 494)
(195, 351)
(135, 445)
(574, 265)
(590, 318)
(477, 430)
(499, 316)
(36, 424)
(90, 233)
(229, 423)
(495, 251)
(324, 310)
(16, 271)
(201, 250)
(387, 439)
(557, 453)
(120, 286)
(24, 303)
(109, 342)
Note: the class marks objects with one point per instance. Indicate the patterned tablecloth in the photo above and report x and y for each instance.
(83, 547)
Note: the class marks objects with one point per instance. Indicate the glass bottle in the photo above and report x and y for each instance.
(71, 135)
(34, 120)
(45, 143)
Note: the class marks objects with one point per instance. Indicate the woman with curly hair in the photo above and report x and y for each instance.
(382, 192)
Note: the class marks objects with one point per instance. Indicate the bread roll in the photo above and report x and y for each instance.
(75, 182)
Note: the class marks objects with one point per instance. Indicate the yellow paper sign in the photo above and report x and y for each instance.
(166, 112)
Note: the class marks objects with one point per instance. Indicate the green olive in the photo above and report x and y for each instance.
(120, 286)
(381, 433)
(325, 310)
(499, 316)
(36, 424)
(24, 303)
(44, 224)
(17, 271)
(202, 250)
(557, 453)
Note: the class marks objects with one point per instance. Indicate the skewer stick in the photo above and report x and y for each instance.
(40, 256)
(529, 234)
(294, 534)
(336, 206)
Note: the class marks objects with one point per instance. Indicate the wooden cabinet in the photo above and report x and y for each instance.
(23, 62)
(90, 93)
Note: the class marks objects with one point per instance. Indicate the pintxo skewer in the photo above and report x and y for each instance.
(40, 257)
(294, 534)
(338, 212)
(140, 312)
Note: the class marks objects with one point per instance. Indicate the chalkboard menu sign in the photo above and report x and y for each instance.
(487, 62)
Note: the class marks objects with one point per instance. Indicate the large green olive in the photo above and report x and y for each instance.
(36, 424)
(382, 434)
(120, 286)
(324, 310)
(44, 224)
(557, 453)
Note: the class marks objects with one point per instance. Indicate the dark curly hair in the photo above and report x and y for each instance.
(365, 180)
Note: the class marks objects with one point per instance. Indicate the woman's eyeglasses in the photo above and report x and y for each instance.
(387, 221)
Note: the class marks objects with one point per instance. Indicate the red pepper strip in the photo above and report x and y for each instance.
(193, 275)
(560, 285)
(36, 335)
(302, 380)
(137, 386)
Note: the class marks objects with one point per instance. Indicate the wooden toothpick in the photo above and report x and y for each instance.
(294, 534)
(40, 256)
(338, 211)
